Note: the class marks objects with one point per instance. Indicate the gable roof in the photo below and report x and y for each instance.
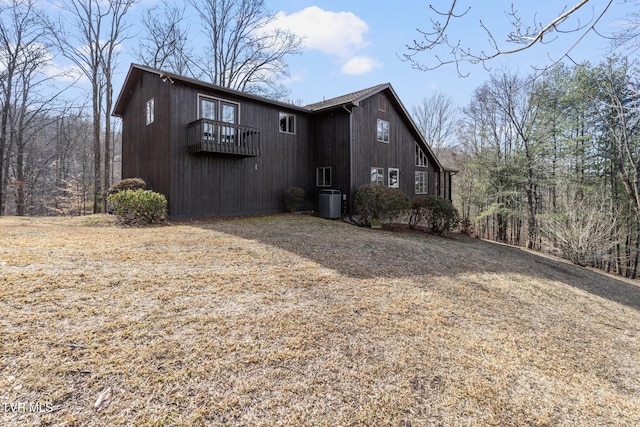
(136, 70)
(353, 98)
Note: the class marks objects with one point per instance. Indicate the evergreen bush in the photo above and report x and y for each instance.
(139, 207)
(127, 184)
(379, 202)
(438, 214)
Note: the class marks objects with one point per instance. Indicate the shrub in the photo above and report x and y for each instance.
(379, 202)
(139, 207)
(293, 197)
(127, 184)
(439, 215)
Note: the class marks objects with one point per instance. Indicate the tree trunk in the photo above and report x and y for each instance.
(97, 163)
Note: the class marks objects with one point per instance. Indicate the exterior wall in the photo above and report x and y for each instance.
(145, 148)
(214, 184)
(398, 153)
(330, 148)
(210, 184)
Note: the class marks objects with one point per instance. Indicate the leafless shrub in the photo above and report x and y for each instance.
(584, 226)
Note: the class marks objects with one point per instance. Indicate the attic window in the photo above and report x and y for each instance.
(382, 103)
(150, 111)
(383, 130)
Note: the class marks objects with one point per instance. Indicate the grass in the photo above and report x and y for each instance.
(293, 320)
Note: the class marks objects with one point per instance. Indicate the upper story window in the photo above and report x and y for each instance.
(287, 123)
(377, 176)
(217, 109)
(150, 111)
(394, 178)
(421, 158)
(323, 177)
(382, 103)
(221, 111)
(383, 130)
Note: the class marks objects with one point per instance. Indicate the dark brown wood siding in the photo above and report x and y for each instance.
(145, 148)
(330, 148)
(209, 184)
(398, 153)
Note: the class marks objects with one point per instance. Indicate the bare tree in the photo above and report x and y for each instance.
(437, 120)
(619, 100)
(522, 36)
(242, 51)
(108, 62)
(165, 44)
(22, 57)
(88, 38)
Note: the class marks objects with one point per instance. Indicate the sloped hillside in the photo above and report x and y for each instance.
(290, 320)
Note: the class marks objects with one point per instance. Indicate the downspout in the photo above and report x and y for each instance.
(346, 199)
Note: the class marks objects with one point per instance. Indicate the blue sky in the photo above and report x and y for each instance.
(355, 44)
(376, 32)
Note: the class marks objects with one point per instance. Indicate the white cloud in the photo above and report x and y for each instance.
(333, 33)
(339, 34)
(360, 65)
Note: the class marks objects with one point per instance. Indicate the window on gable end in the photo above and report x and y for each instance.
(382, 103)
(421, 158)
(377, 176)
(422, 182)
(383, 130)
(394, 178)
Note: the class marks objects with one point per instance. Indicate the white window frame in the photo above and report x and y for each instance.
(390, 181)
(422, 182)
(378, 173)
(421, 157)
(323, 182)
(382, 131)
(290, 123)
(151, 104)
(219, 106)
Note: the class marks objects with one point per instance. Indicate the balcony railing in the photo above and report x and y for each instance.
(211, 136)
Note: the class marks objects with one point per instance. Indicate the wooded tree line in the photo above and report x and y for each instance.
(552, 162)
(59, 147)
(55, 156)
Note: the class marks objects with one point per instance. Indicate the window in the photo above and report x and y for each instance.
(421, 158)
(287, 123)
(383, 130)
(323, 177)
(394, 178)
(150, 111)
(422, 182)
(382, 103)
(228, 115)
(212, 109)
(377, 176)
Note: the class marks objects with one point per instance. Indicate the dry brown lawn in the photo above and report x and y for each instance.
(295, 320)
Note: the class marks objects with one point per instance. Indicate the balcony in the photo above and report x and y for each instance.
(211, 136)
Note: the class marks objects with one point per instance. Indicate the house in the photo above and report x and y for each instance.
(214, 151)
